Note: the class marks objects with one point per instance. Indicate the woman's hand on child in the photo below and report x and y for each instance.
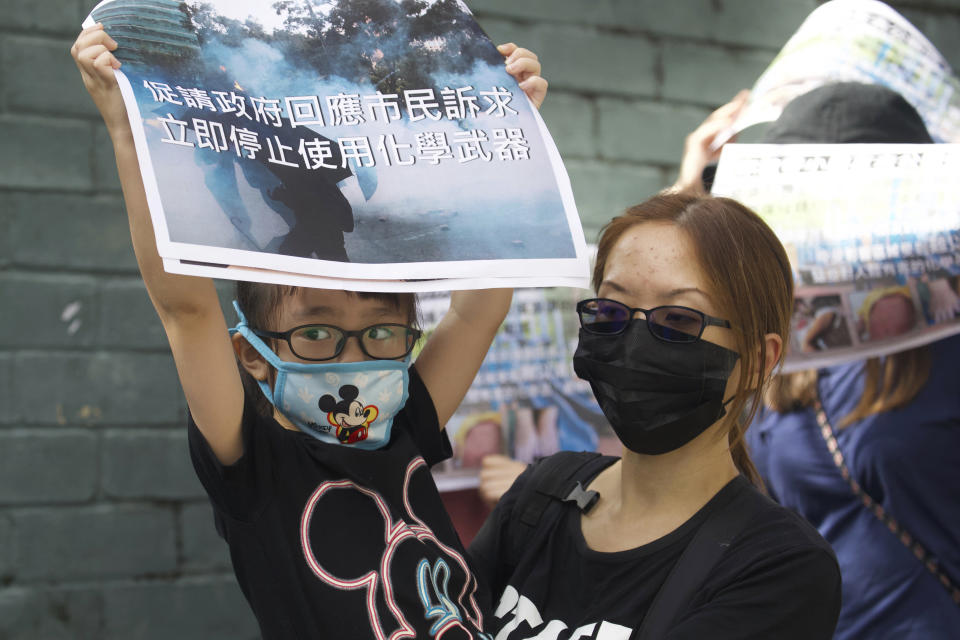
(524, 66)
(92, 52)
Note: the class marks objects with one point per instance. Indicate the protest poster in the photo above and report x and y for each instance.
(340, 141)
(526, 402)
(858, 41)
(873, 236)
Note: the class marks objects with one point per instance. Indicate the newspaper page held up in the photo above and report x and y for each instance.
(859, 41)
(873, 236)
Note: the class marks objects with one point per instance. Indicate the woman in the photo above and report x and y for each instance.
(896, 424)
(895, 418)
(693, 305)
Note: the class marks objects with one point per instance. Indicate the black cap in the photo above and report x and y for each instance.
(848, 112)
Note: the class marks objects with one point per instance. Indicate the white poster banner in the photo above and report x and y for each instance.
(859, 41)
(252, 274)
(346, 140)
(873, 236)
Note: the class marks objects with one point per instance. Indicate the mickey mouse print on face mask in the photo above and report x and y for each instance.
(348, 416)
(341, 403)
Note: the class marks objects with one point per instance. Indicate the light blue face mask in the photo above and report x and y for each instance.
(345, 403)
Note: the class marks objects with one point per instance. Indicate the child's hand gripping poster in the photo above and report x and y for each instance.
(375, 145)
(873, 236)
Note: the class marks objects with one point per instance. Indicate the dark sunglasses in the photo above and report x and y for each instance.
(386, 341)
(670, 323)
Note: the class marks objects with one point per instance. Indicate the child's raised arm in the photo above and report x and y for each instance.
(188, 306)
(453, 355)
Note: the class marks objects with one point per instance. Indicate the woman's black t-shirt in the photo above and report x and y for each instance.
(778, 579)
(333, 542)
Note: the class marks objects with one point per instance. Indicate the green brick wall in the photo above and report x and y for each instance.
(104, 530)
(630, 78)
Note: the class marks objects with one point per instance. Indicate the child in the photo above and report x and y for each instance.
(335, 527)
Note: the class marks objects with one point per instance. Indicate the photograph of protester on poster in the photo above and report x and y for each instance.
(281, 135)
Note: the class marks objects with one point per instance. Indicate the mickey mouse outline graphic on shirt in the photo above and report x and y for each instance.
(348, 416)
(445, 609)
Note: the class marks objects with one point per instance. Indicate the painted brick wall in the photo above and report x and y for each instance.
(104, 529)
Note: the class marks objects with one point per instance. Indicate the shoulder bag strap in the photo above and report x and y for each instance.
(709, 543)
(874, 507)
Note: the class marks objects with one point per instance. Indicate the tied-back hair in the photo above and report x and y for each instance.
(261, 303)
(889, 383)
(749, 277)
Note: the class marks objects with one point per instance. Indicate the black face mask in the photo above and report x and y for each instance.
(657, 395)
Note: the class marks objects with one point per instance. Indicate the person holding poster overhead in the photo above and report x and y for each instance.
(318, 469)
(673, 539)
(870, 447)
(895, 422)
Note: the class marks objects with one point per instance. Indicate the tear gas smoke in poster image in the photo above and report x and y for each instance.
(348, 139)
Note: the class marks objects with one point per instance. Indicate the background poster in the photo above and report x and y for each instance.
(526, 401)
(859, 41)
(873, 236)
(353, 139)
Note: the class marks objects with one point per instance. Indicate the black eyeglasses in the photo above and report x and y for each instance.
(387, 341)
(670, 323)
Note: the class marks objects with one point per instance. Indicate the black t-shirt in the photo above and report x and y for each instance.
(778, 579)
(333, 542)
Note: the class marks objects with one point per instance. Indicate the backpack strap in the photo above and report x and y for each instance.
(688, 574)
(554, 480)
